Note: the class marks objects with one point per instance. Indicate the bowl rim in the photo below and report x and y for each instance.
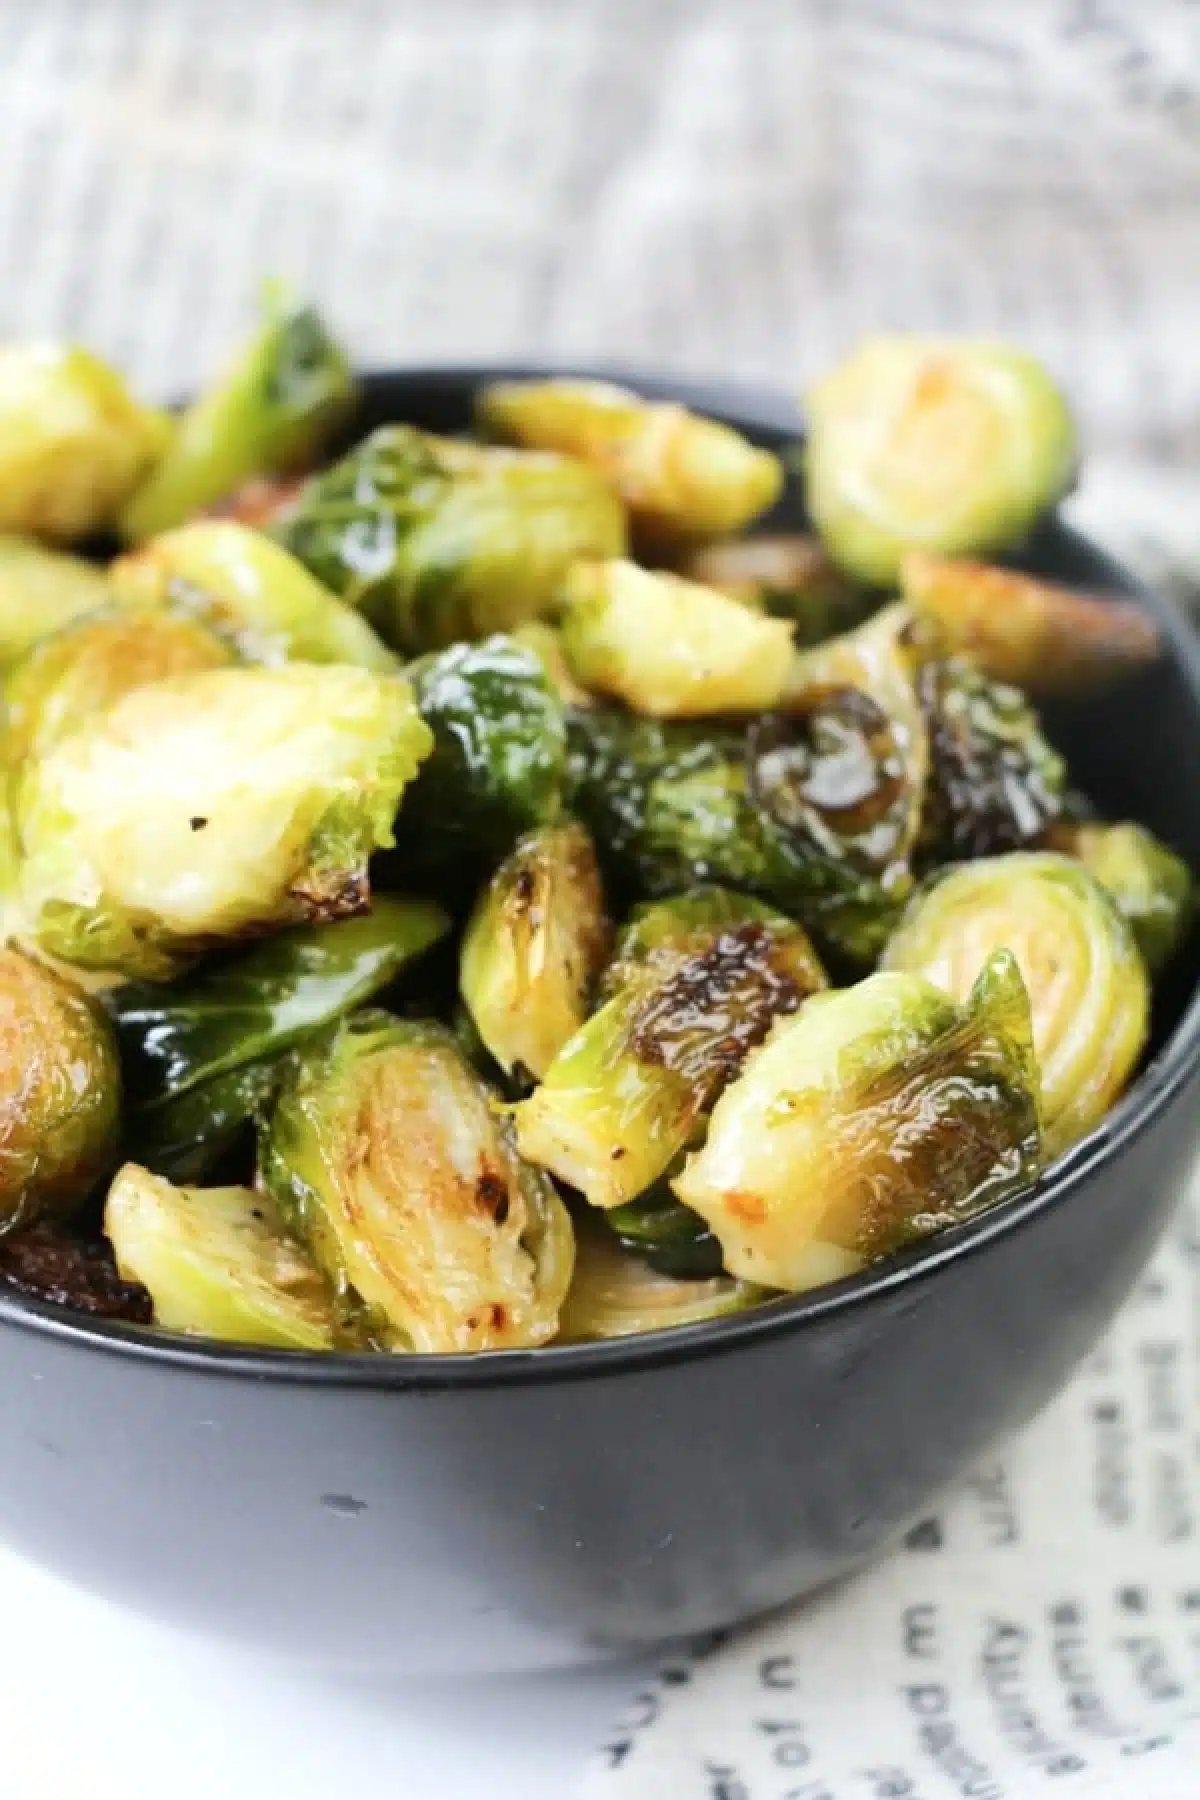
(756, 409)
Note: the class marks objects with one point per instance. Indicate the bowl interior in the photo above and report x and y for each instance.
(1133, 751)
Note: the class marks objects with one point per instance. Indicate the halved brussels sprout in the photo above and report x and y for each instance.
(534, 947)
(389, 1159)
(939, 444)
(438, 540)
(269, 412)
(79, 671)
(1153, 888)
(672, 804)
(218, 1263)
(207, 806)
(252, 593)
(1086, 980)
(59, 1264)
(41, 591)
(670, 1236)
(878, 1115)
(545, 641)
(669, 647)
(260, 1000)
(73, 441)
(791, 578)
(680, 475)
(995, 784)
(1017, 628)
(497, 764)
(60, 1093)
(698, 982)
(615, 1294)
(841, 773)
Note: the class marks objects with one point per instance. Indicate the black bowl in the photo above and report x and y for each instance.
(531, 1509)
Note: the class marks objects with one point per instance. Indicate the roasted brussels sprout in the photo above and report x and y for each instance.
(615, 1294)
(58, 1264)
(73, 675)
(256, 596)
(269, 412)
(669, 647)
(1016, 628)
(534, 947)
(545, 641)
(880, 1114)
(218, 1262)
(1153, 888)
(60, 1093)
(497, 764)
(994, 782)
(670, 1236)
(1086, 979)
(41, 591)
(437, 540)
(73, 441)
(206, 806)
(697, 984)
(938, 444)
(388, 1158)
(792, 578)
(679, 474)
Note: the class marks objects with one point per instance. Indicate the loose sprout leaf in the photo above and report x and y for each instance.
(42, 590)
(672, 1238)
(680, 475)
(70, 677)
(389, 1158)
(60, 1093)
(218, 1263)
(1086, 980)
(534, 947)
(699, 981)
(934, 444)
(670, 647)
(252, 593)
(207, 806)
(497, 764)
(269, 412)
(616, 1294)
(1017, 628)
(438, 540)
(189, 1135)
(73, 441)
(260, 1000)
(792, 578)
(878, 1115)
(1154, 889)
(995, 783)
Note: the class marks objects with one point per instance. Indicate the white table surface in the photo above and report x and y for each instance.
(96, 1704)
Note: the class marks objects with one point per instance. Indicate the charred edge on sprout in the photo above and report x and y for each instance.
(51, 1263)
(736, 981)
(328, 894)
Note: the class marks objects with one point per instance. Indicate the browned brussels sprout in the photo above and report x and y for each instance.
(1085, 977)
(937, 444)
(534, 947)
(697, 984)
(680, 475)
(669, 647)
(1019, 629)
(60, 1093)
(389, 1159)
(792, 578)
(437, 540)
(878, 1115)
(995, 784)
(59, 1264)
